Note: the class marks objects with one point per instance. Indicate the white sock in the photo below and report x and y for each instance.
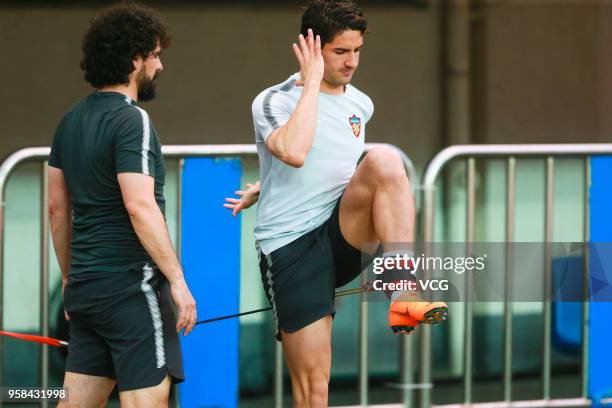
(392, 254)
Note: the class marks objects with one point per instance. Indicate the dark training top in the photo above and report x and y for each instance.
(102, 135)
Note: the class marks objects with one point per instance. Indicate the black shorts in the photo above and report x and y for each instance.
(122, 326)
(300, 278)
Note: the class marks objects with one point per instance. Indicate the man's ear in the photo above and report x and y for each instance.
(138, 63)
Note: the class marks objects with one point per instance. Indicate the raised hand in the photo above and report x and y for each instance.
(308, 54)
(247, 199)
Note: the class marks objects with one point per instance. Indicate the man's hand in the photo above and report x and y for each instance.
(308, 54)
(185, 305)
(247, 199)
(291, 142)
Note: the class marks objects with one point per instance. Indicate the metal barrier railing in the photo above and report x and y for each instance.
(175, 152)
(508, 152)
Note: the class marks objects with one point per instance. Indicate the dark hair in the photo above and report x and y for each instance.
(117, 36)
(330, 17)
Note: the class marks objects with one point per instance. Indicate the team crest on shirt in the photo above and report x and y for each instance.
(355, 123)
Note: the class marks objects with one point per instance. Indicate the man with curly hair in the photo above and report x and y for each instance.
(106, 204)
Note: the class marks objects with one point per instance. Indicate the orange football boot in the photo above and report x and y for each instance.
(399, 320)
(408, 311)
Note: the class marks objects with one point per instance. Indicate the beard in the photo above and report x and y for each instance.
(146, 87)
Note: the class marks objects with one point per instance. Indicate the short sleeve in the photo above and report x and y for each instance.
(370, 109)
(271, 110)
(135, 140)
(55, 158)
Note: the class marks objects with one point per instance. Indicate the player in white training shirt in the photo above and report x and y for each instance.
(321, 216)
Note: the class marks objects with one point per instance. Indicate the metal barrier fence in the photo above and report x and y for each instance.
(177, 152)
(469, 153)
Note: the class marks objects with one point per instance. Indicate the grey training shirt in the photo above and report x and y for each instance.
(294, 201)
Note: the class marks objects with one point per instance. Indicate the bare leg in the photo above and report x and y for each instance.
(156, 396)
(377, 205)
(308, 355)
(86, 391)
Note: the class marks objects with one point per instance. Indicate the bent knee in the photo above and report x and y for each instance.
(385, 163)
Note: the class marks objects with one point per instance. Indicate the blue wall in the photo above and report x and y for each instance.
(600, 323)
(210, 255)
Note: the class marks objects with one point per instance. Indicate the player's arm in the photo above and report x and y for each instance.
(247, 198)
(60, 217)
(150, 227)
(135, 167)
(292, 141)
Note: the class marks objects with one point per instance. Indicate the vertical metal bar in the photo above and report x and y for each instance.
(363, 346)
(424, 394)
(586, 280)
(469, 312)
(425, 364)
(179, 230)
(44, 279)
(278, 375)
(510, 213)
(546, 346)
(406, 364)
(407, 370)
